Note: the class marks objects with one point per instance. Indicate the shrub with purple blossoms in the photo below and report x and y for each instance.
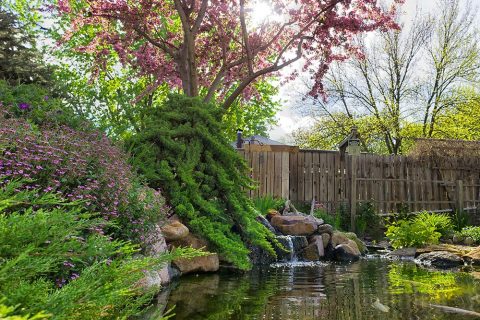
(78, 166)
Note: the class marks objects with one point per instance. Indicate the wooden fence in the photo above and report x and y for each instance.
(392, 183)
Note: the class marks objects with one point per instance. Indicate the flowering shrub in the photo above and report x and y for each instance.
(35, 103)
(79, 166)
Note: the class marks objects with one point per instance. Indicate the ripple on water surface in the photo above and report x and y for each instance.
(368, 289)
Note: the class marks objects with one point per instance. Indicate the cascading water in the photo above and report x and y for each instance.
(292, 257)
(291, 247)
(288, 243)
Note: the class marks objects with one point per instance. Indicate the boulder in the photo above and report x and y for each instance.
(174, 230)
(469, 241)
(299, 243)
(190, 241)
(155, 245)
(439, 259)
(315, 250)
(457, 239)
(326, 239)
(360, 244)
(338, 238)
(325, 228)
(346, 252)
(158, 278)
(271, 213)
(209, 263)
(259, 256)
(295, 225)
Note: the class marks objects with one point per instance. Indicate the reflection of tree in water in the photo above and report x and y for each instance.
(344, 292)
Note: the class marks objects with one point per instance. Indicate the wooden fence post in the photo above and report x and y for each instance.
(353, 191)
(285, 175)
(459, 195)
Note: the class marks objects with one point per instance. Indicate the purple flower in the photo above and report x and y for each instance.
(23, 106)
(45, 98)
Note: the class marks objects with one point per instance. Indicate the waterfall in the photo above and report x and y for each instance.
(293, 254)
(287, 242)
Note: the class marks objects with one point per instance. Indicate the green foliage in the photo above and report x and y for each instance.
(325, 216)
(424, 228)
(7, 313)
(440, 221)
(265, 203)
(184, 152)
(460, 219)
(37, 105)
(472, 232)
(342, 217)
(404, 233)
(254, 116)
(367, 220)
(55, 260)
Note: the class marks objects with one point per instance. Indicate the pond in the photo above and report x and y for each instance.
(327, 291)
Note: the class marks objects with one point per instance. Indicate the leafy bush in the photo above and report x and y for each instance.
(405, 233)
(79, 166)
(265, 203)
(424, 228)
(36, 104)
(440, 221)
(54, 261)
(184, 152)
(472, 232)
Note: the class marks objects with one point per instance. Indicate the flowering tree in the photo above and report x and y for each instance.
(214, 48)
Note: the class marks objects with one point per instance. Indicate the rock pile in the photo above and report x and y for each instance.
(321, 241)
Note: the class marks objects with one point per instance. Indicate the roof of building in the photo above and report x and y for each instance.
(259, 140)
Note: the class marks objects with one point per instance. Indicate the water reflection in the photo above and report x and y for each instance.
(326, 292)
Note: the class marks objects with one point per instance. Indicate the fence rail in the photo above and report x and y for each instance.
(392, 183)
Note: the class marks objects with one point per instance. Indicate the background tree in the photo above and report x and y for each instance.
(213, 45)
(406, 80)
(20, 60)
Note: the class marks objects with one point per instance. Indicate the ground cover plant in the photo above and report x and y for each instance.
(204, 179)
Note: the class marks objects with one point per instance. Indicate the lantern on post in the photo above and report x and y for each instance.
(351, 144)
(353, 147)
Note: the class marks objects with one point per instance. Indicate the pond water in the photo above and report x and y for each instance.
(326, 291)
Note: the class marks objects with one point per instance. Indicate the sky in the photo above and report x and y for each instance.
(290, 119)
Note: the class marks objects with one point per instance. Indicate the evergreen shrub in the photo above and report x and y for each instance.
(53, 261)
(184, 152)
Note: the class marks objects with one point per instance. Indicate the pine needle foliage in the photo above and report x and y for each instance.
(183, 151)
